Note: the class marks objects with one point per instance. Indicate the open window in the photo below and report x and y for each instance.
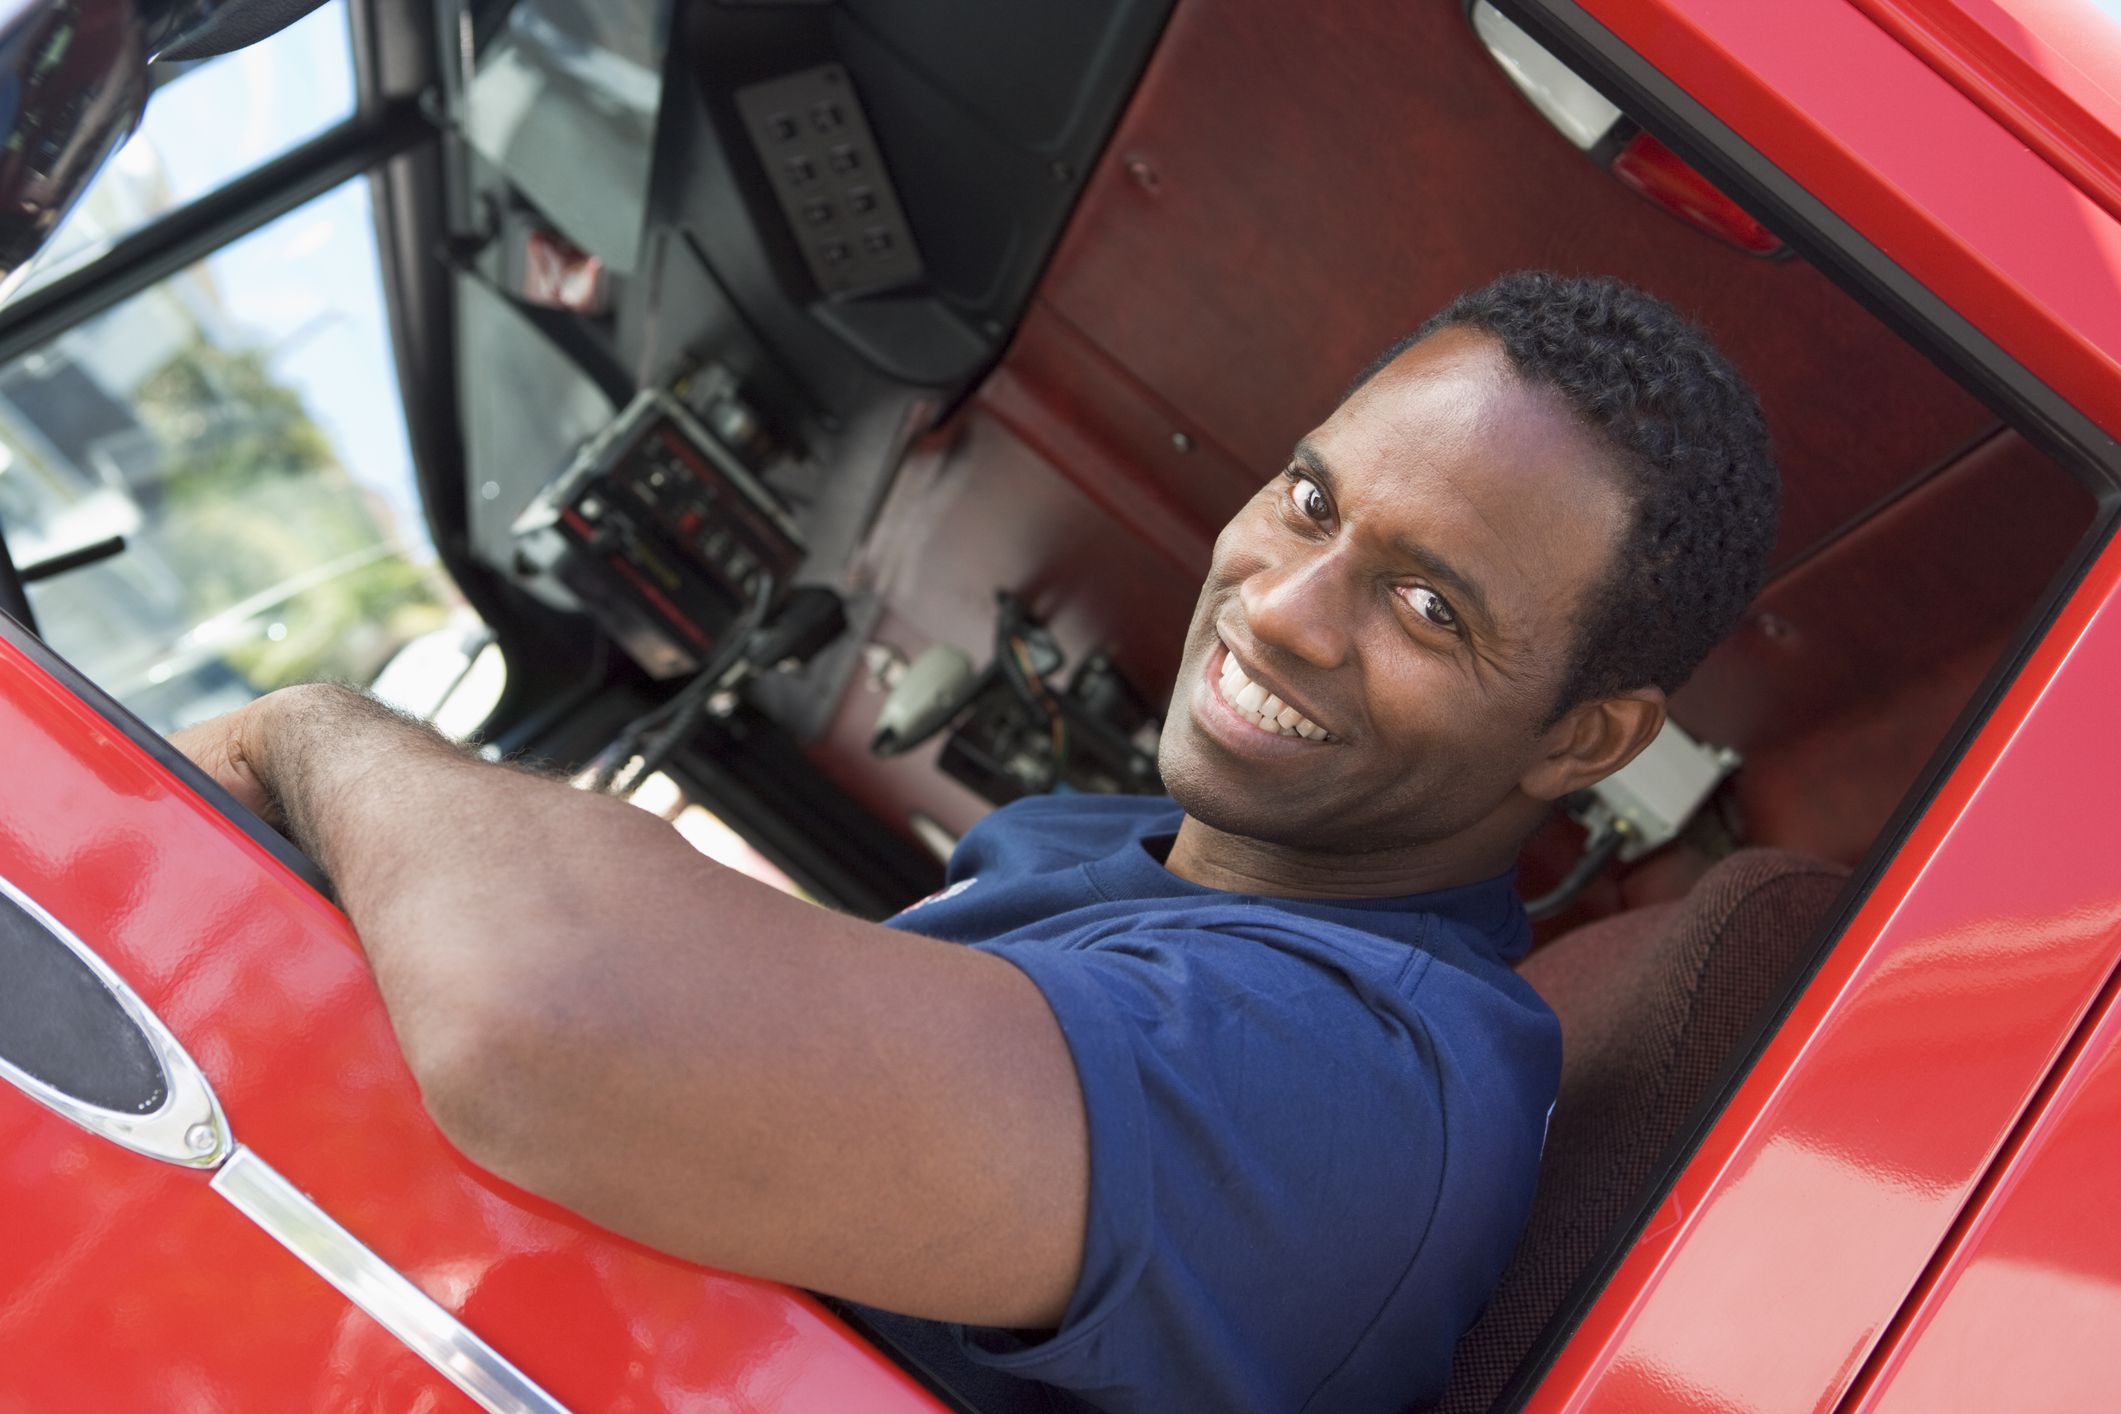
(208, 482)
(237, 428)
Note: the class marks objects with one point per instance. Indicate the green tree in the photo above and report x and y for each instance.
(281, 553)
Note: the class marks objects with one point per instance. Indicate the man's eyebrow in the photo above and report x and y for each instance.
(1313, 464)
(1464, 589)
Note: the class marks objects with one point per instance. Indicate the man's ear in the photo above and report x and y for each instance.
(1592, 741)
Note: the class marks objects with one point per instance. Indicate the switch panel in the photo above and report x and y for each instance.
(660, 532)
(842, 212)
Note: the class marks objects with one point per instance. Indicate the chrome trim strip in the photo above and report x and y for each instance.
(188, 1127)
(261, 1194)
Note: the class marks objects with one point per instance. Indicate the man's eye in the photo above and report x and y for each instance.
(1432, 606)
(1309, 498)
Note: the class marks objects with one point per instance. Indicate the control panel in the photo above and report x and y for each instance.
(659, 532)
(843, 213)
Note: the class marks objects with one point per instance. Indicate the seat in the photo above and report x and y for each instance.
(1652, 1002)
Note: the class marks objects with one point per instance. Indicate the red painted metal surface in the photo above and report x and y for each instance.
(2049, 70)
(1815, 1203)
(128, 1284)
(1819, 1199)
(1915, 165)
(2022, 1310)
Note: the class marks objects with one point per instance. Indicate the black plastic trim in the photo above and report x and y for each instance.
(546, 651)
(67, 561)
(64, 1026)
(167, 756)
(14, 597)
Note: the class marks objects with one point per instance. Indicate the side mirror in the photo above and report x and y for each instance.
(73, 83)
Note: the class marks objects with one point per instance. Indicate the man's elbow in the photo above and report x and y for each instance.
(480, 1068)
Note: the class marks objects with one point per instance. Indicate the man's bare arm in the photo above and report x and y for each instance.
(597, 1013)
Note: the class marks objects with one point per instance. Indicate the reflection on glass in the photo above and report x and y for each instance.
(564, 102)
(209, 125)
(240, 425)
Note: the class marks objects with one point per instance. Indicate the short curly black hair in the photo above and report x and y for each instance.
(1693, 447)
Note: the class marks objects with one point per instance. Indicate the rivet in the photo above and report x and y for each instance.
(201, 1139)
(1144, 175)
(1774, 625)
(1181, 441)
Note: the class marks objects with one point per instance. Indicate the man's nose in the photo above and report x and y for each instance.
(1305, 606)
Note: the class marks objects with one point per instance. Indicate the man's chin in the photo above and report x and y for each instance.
(1214, 792)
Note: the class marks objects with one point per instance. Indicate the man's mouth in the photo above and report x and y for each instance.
(1262, 708)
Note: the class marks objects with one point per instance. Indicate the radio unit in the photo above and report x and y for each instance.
(660, 533)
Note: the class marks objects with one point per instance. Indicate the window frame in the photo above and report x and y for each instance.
(383, 126)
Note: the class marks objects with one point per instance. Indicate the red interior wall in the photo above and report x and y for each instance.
(1849, 671)
(1284, 198)
(1288, 193)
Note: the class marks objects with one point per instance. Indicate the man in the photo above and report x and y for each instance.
(1231, 1103)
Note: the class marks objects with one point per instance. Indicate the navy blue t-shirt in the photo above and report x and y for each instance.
(1314, 1125)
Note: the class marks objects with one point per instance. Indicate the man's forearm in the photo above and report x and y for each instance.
(479, 892)
(601, 1015)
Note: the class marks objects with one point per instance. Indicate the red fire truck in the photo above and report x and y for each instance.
(813, 417)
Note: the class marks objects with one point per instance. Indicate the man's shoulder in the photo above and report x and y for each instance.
(1233, 1052)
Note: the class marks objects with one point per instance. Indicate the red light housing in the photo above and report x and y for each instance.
(1654, 170)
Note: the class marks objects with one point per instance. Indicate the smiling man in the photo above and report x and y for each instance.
(1224, 1101)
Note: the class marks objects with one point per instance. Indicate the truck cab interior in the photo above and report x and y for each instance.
(822, 410)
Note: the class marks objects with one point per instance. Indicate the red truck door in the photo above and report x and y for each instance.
(160, 1250)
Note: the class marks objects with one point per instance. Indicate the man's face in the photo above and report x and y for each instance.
(1409, 586)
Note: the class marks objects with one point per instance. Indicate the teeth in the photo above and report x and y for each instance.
(1263, 710)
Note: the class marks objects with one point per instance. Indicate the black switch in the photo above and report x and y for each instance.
(826, 117)
(817, 213)
(860, 200)
(845, 159)
(782, 126)
(835, 253)
(801, 171)
(877, 241)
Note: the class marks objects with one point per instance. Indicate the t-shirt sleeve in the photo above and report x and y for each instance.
(1266, 1136)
